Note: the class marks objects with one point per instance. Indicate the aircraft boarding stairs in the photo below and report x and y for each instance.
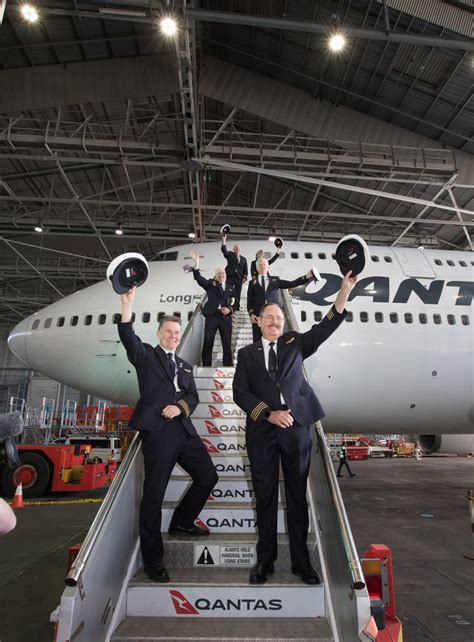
(109, 597)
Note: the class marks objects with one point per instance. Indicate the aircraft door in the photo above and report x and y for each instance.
(414, 263)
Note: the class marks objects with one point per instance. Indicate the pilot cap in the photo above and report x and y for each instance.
(352, 254)
(315, 272)
(225, 229)
(126, 271)
(278, 242)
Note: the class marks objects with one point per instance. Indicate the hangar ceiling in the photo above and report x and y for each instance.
(245, 118)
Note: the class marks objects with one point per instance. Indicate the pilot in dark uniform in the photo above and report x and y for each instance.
(168, 396)
(236, 269)
(269, 385)
(218, 311)
(264, 289)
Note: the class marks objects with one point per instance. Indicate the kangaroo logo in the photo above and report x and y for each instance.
(211, 449)
(216, 398)
(212, 429)
(181, 605)
(218, 384)
(214, 412)
(220, 373)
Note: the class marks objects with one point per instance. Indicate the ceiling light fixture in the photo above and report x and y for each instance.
(38, 228)
(118, 229)
(29, 13)
(272, 238)
(168, 26)
(337, 42)
(192, 235)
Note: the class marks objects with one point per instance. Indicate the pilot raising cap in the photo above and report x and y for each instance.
(278, 242)
(352, 253)
(126, 271)
(225, 229)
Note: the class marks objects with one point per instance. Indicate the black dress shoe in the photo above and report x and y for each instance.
(307, 574)
(157, 572)
(194, 530)
(353, 474)
(259, 572)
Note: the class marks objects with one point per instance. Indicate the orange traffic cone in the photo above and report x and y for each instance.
(18, 497)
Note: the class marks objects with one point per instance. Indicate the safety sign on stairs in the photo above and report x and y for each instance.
(228, 555)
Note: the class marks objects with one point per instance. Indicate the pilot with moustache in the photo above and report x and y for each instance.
(263, 288)
(168, 397)
(218, 311)
(281, 407)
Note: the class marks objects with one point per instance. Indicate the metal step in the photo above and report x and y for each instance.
(230, 490)
(221, 411)
(223, 594)
(176, 629)
(219, 426)
(227, 517)
(216, 396)
(227, 551)
(225, 445)
(226, 466)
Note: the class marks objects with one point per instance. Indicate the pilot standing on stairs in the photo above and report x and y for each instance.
(168, 396)
(269, 385)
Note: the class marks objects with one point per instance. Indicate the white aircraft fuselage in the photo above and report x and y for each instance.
(404, 364)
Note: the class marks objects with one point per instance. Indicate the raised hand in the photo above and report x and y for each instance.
(127, 298)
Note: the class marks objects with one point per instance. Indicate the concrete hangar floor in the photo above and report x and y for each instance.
(418, 509)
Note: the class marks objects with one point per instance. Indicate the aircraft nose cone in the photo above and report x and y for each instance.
(17, 340)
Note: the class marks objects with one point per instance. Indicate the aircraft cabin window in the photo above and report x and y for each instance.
(379, 317)
(321, 255)
(282, 255)
(472, 262)
(116, 318)
(177, 314)
(437, 319)
(349, 317)
(308, 255)
(303, 315)
(295, 255)
(438, 262)
(60, 322)
(167, 256)
(318, 315)
(101, 319)
(88, 319)
(74, 320)
(36, 323)
(375, 259)
(190, 315)
(333, 256)
(387, 259)
(449, 262)
(463, 263)
(451, 319)
(408, 317)
(146, 317)
(48, 322)
(423, 318)
(465, 319)
(160, 315)
(267, 255)
(393, 317)
(364, 317)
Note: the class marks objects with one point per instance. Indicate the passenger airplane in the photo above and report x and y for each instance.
(401, 363)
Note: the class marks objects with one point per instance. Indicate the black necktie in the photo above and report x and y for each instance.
(272, 362)
(171, 365)
(263, 283)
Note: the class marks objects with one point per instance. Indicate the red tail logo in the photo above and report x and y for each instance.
(214, 412)
(212, 429)
(198, 521)
(216, 397)
(218, 384)
(181, 605)
(211, 449)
